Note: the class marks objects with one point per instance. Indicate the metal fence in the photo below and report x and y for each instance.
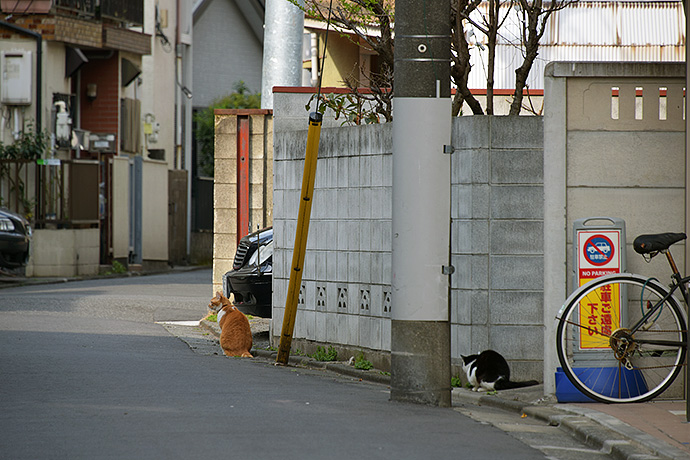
(87, 7)
(129, 11)
(52, 193)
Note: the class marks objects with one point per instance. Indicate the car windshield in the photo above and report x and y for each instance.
(265, 251)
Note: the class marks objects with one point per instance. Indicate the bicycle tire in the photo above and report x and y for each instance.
(587, 354)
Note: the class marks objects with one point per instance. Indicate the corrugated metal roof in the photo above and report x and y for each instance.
(587, 31)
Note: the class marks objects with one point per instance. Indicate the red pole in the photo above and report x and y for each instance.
(242, 176)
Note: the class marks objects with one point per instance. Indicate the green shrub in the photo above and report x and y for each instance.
(29, 146)
(363, 364)
(322, 354)
(205, 121)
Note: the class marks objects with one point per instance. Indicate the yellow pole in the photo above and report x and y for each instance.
(301, 234)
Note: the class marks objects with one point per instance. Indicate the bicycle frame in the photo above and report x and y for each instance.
(678, 282)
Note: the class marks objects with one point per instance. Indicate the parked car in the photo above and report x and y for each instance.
(251, 279)
(15, 238)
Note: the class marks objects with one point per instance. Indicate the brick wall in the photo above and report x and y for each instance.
(497, 203)
(82, 32)
(101, 115)
(45, 25)
(126, 40)
(78, 32)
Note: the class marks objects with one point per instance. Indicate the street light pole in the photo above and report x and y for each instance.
(420, 328)
(283, 35)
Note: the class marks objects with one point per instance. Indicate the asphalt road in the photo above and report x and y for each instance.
(85, 372)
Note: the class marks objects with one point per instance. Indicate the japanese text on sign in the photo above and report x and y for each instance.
(599, 311)
(599, 255)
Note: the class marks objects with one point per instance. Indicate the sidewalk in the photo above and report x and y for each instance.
(651, 430)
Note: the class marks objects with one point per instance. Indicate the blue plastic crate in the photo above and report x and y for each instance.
(605, 380)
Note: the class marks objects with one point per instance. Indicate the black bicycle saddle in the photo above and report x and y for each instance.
(644, 244)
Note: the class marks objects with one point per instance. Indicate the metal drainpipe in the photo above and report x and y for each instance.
(39, 66)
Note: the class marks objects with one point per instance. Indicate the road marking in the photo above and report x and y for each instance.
(180, 323)
(571, 449)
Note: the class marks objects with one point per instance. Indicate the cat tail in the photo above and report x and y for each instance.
(246, 354)
(509, 384)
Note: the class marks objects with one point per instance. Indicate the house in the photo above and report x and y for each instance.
(106, 83)
(228, 47)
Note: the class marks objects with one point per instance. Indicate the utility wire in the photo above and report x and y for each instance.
(323, 59)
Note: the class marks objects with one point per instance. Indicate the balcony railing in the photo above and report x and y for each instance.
(130, 11)
(83, 7)
(127, 11)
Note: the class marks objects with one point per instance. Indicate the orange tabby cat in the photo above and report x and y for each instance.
(235, 333)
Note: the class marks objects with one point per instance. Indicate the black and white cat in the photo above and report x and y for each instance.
(489, 371)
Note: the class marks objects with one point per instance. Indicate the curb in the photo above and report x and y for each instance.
(11, 281)
(372, 375)
(595, 429)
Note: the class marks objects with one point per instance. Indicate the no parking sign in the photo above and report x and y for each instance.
(599, 249)
(599, 253)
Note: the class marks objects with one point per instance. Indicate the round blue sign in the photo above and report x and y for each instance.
(598, 250)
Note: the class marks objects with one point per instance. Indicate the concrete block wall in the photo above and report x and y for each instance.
(64, 252)
(225, 233)
(496, 241)
(345, 292)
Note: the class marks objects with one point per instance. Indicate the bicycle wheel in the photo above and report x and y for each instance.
(600, 354)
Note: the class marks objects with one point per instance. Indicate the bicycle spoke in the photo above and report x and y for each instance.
(608, 361)
(587, 328)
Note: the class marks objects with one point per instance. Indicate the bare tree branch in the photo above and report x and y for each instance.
(355, 16)
(460, 64)
(535, 19)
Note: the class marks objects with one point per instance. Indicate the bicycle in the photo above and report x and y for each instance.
(622, 338)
